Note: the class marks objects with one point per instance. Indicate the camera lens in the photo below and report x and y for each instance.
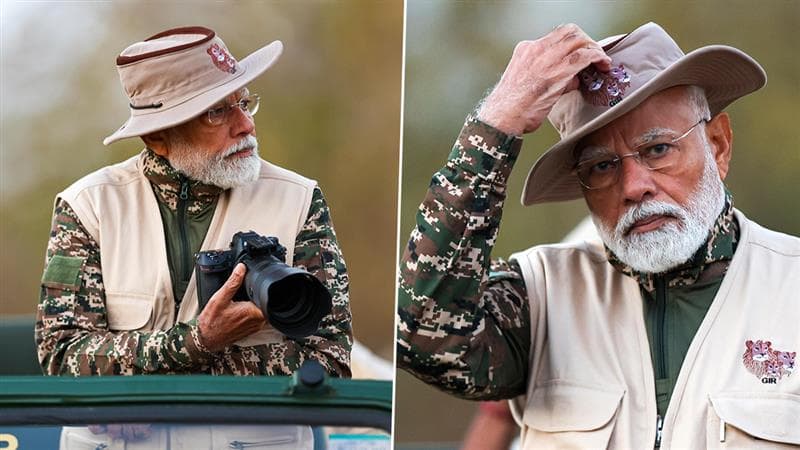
(293, 300)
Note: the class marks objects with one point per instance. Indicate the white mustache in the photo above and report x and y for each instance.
(645, 210)
(248, 141)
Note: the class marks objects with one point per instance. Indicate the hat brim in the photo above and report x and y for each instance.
(725, 73)
(252, 66)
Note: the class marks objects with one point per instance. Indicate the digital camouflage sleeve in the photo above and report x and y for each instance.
(463, 318)
(72, 332)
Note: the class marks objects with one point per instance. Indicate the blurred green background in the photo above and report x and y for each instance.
(330, 111)
(456, 51)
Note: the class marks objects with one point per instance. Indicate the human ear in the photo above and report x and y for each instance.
(157, 142)
(720, 138)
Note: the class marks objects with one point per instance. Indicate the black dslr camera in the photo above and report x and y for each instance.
(292, 300)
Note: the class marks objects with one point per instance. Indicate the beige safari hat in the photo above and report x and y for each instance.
(644, 62)
(177, 74)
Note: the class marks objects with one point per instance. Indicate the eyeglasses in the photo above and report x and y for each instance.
(248, 105)
(603, 170)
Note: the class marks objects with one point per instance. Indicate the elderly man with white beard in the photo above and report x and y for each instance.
(119, 294)
(679, 328)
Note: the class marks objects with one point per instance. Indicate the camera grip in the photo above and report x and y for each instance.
(211, 270)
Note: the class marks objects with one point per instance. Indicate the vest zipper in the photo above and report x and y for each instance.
(661, 312)
(182, 207)
(659, 430)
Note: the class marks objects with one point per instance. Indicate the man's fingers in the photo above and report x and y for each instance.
(576, 62)
(574, 83)
(250, 310)
(602, 62)
(236, 278)
(563, 32)
(567, 37)
(580, 60)
(583, 57)
(228, 290)
(575, 41)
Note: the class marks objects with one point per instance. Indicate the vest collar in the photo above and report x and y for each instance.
(167, 184)
(709, 262)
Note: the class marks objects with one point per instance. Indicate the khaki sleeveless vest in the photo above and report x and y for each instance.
(591, 379)
(118, 208)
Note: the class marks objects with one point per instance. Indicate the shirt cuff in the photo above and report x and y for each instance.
(193, 342)
(485, 151)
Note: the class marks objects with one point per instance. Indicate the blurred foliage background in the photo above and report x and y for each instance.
(456, 51)
(330, 111)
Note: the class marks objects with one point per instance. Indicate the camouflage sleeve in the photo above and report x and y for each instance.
(462, 318)
(317, 251)
(71, 330)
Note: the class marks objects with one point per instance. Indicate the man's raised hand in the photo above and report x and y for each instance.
(538, 73)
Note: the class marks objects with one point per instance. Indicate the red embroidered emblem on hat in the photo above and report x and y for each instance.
(222, 59)
(604, 88)
(767, 364)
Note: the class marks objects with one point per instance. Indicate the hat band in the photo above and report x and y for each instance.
(209, 34)
(152, 105)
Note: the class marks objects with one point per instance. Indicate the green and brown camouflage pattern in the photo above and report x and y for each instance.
(463, 318)
(166, 183)
(72, 332)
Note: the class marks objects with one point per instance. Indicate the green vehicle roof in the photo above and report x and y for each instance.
(312, 399)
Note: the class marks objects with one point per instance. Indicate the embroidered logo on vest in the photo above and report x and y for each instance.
(604, 88)
(767, 364)
(222, 59)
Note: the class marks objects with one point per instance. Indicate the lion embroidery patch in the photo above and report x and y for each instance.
(604, 88)
(222, 59)
(767, 364)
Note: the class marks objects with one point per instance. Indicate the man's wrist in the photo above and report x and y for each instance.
(195, 344)
(500, 118)
(485, 151)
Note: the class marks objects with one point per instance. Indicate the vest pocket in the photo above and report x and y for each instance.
(128, 311)
(566, 414)
(752, 420)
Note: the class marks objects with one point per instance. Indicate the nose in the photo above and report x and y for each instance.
(242, 123)
(636, 181)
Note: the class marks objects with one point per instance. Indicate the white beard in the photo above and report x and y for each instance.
(674, 243)
(216, 170)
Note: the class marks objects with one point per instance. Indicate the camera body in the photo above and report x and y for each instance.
(293, 301)
(214, 267)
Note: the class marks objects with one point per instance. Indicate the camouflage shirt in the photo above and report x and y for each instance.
(463, 317)
(72, 332)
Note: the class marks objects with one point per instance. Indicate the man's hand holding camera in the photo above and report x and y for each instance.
(223, 321)
(537, 75)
